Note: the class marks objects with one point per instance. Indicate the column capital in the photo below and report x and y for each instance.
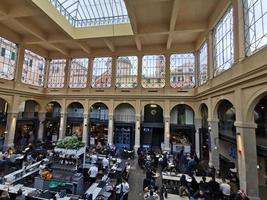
(137, 117)
(245, 125)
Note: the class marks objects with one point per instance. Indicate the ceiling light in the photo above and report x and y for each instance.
(153, 105)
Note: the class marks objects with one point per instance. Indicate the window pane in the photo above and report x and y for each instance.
(255, 17)
(7, 59)
(102, 70)
(153, 71)
(78, 73)
(182, 70)
(203, 64)
(56, 73)
(33, 69)
(126, 72)
(223, 43)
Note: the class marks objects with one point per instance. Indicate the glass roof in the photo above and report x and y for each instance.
(84, 13)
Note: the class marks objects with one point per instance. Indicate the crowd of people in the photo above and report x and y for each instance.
(189, 167)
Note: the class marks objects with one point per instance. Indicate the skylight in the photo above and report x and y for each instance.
(84, 13)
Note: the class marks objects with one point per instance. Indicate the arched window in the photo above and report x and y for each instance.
(102, 71)
(33, 69)
(203, 64)
(7, 59)
(182, 70)
(126, 72)
(56, 73)
(223, 43)
(255, 17)
(78, 73)
(153, 71)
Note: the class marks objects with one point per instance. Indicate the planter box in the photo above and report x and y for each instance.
(76, 152)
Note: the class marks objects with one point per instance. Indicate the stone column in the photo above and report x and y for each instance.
(41, 117)
(10, 129)
(247, 158)
(113, 72)
(198, 125)
(19, 64)
(167, 133)
(110, 129)
(67, 73)
(137, 132)
(139, 72)
(210, 56)
(85, 128)
(46, 75)
(62, 126)
(239, 30)
(167, 72)
(214, 143)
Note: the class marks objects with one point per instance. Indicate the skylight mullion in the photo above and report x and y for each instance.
(86, 7)
(114, 4)
(107, 9)
(100, 5)
(97, 10)
(92, 10)
(122, 13)
(84, 14)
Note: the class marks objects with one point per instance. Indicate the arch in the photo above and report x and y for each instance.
(4, 99)
(226, 112)
(204, 114)
(124, 112)
(174, 118)
(80, 105)
(155, 113)
(201, 107)
(75, 102)
(124, 103)
(217, 104)
(56, 102)
(99, 102)
(116, 104)
(179, 104)
(99, 110)
(256, 97)
(26, 103)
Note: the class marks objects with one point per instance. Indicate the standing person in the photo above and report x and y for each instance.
(125, 189)
(225, 189)
(118, 189)
(93, 171)
(93, 158)
(105, 164)
(127, 170)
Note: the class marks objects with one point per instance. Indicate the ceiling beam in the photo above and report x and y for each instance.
(174, 14)
(18, 11)
(131, 14)
(110, 45)
(34, 30)
(61, 49)
(138, 43)
(10, 34)
(4, 9)
(84, 47)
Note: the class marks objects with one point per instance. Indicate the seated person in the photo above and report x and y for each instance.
(151, 195)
